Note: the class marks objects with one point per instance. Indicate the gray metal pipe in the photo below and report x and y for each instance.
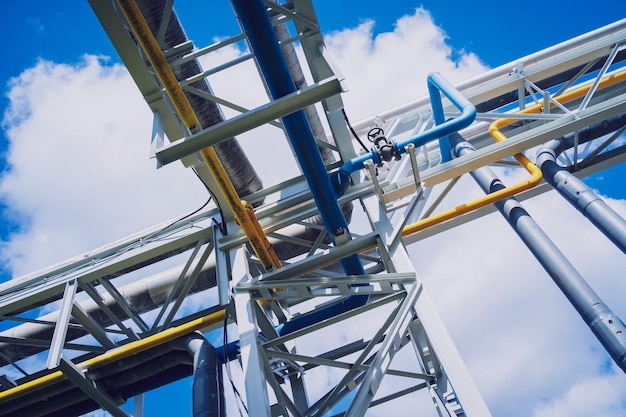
(575, 191)
(607, 327)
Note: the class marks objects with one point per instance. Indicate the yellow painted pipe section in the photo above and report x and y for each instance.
(273, 260)
(116, 354)
(149, 44)
(494, 131)
(163, 71)
(483, 201)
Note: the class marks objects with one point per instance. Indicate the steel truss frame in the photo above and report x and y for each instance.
(96, 316)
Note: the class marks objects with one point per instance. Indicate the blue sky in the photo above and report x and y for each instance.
(63, 32)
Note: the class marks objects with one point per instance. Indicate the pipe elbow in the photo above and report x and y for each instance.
(545, 154)
(340, 181)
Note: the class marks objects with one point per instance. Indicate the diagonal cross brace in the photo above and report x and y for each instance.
(88, 386)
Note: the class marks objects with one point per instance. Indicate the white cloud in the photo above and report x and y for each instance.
(390, 69)
(516, 331)
(80, 177)
(608, 392)
(80, 174)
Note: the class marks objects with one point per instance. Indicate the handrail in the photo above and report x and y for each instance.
(494, 131)
(147, 41)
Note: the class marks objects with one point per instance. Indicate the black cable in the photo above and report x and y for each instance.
(345, 116)
(186, 216)
(228, 371)
(221, 224)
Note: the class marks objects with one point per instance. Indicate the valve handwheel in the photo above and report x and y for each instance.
(374, 133)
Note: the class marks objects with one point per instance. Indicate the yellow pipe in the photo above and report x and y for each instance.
(166, 76)
(164, 72)
(483, 201)
(273, 260)
(523, 160)
(116, 354)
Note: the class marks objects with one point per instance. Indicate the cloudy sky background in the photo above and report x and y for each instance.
(76, 175)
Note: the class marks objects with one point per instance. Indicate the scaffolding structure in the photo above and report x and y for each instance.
(323, 252)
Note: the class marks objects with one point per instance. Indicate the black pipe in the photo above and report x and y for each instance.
(208, 387)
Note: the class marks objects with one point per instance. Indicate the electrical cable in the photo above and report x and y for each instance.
(222, 224)
(229, 373)
(186, 216)
(345, 116)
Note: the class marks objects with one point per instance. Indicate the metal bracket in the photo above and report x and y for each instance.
(88, 386)
(60, 330)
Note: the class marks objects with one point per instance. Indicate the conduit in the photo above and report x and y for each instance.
(607, 327)
(244, 217)
(575, 191)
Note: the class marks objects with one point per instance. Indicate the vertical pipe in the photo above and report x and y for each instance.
(256, 23)
(208, 388)
(438, 116)
(607, 327)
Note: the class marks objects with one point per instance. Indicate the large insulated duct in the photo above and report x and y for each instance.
(608, 328)
(235, 162)
(576, 192)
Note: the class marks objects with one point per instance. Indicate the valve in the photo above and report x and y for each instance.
(385, 148)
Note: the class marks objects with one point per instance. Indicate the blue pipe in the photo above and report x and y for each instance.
(264, 43)
(436, 85)
(230, 351)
